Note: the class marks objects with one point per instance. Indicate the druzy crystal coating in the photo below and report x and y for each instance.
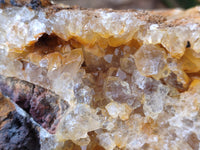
(130, 78)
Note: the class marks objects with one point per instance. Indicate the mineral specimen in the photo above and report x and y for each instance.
(102, 79)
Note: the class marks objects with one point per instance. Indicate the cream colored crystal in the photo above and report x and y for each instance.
(150, 60)
(115, 109)
(76, 124)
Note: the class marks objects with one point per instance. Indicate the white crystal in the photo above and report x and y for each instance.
(115, 109)
(154, 102)
(79, 122)
(48, 141)
(106, 141)
(150, 60)
(108, 58)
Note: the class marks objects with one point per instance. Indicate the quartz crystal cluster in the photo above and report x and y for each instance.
(104, 79)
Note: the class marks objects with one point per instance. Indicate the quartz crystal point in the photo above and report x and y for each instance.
(99, 79)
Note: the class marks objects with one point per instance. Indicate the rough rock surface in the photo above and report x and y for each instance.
(44, 106)
(16, 131)
(116, 4)
(34, 4)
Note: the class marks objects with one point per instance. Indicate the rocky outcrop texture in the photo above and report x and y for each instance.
(34, 4)
(116, 4)
(44, 106)
(16, 131)
(104, 79)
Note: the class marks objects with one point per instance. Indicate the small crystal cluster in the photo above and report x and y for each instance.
(131, 78)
